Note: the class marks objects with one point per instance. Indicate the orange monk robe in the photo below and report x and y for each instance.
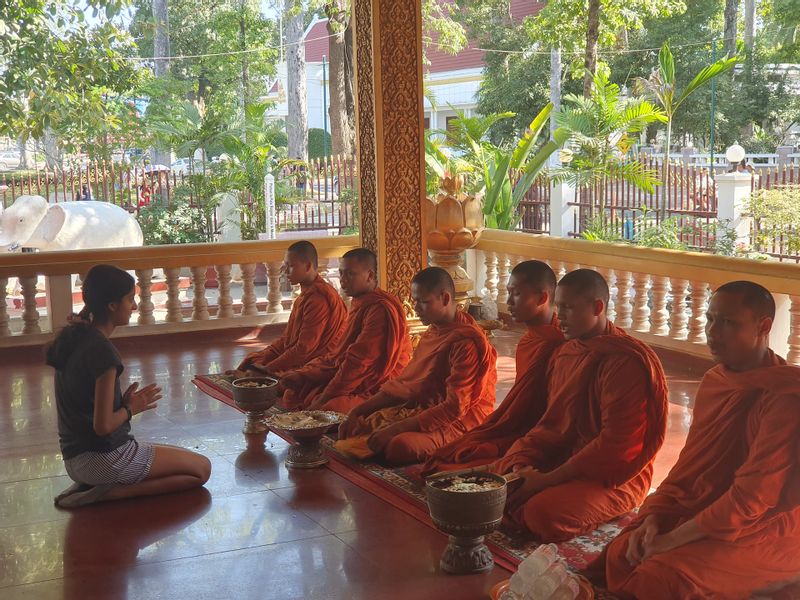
(316, 324)
(521, 409)
(606, 418)
(374, 348)
(738, 477)
(449, 386)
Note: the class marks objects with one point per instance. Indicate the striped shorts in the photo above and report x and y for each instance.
(126, 465)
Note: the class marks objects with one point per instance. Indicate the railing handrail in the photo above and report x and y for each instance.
(177, 255)
(691, 266)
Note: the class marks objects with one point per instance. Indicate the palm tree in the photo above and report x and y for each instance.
(662, 86)
(602, 129)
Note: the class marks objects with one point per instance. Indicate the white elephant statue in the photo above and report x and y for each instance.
(33, 223)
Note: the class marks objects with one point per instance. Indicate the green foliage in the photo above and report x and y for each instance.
(57, 69)
(777, 211)
(177, 223)
(601, 129)
(600, 229)
(319, 143)
(659, 234)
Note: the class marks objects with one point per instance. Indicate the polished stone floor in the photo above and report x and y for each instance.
(256, 531)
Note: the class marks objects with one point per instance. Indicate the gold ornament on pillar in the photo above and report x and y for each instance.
(454, 222)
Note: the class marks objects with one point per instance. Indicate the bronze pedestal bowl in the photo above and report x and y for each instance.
(255, 396)
(306, 428)
(466, 507)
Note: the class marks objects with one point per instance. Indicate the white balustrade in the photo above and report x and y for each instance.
(199, 301)
(224, 301)
(659, 317)
(174, 314)
(679, 321)
(274, 295)
(490, 285)
(793, 356)
(622, 302)
(145, 304)
(697, 323)
(502, 280)
(611, 310)
(30, 315)
(249, 307)
(4, 319)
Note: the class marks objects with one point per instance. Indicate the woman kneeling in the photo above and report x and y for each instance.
(100, 454)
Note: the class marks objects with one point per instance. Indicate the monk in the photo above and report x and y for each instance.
(315, 324)
(446, 390)
(531, 290)
(725, 523)
(374, 347)
(589, 458)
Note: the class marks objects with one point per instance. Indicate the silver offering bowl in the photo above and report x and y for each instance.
(466, 517)
(255, 401)
(306, 452)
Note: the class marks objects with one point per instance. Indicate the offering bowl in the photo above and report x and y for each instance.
(466, 507)
(255, 396)
(306, 428)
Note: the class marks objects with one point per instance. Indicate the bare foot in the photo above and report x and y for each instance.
(73, 489)
(88, 496)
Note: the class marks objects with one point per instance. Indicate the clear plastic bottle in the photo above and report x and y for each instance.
(537, 563)
(509, 595)
(568, 590)
(547, 583)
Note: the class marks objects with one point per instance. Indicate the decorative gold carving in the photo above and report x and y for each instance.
(454, 223)
(389, 84)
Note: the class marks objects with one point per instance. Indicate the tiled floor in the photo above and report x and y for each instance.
(257, 530)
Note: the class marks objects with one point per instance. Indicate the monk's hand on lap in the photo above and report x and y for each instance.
(640, 539)
(533, 482)
(140, 400)
(348, 427)
(378, 441)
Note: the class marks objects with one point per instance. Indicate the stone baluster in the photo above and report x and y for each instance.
(249, 307)
(793, 355)
(697, 323)
(491, 276)
(174, 314)
(622, 302)
(608, 275)
(274, 293)
(678, 323)
(332, 273)
(502, 280)
(224, 302)
(30, 316)
(641, 302)
(4, 328)
(199, 301)
(145, 304)
(659, 319)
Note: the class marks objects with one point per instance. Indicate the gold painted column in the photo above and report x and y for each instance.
(390, 121)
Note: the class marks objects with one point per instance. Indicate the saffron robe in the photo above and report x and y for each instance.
(521, 409)
(449, 386)
(738, 477)
(315, 325)
(606, 417)
(374, 348)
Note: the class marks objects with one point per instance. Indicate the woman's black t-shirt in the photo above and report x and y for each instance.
(93, 356)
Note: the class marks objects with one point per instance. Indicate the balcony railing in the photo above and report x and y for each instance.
(203, 286)
(661, 296)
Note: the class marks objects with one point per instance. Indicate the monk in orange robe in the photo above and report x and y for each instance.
(315, 324)
(531, 290)
(446, 390)
(589, 458)
(374, 347)
(725, 523)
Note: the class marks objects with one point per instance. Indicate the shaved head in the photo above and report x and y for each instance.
(305, 251)
(435, 280)
(364, 256)
(537, 275)
(587, 283)
(754, 296)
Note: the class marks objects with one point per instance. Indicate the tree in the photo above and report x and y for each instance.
(297, 121)
(54, 65)
(731, 17)
(342, 99)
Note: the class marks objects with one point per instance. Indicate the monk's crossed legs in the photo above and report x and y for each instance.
(413, 447)
(704, 569)
(575, 508)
